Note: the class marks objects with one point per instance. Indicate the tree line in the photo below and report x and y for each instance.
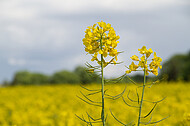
(78, 76)
(177, 68)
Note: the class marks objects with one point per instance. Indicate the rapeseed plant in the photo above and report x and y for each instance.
(100, 41)
(146, 65)
(35, 105)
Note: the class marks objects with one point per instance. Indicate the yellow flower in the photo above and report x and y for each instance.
(155, 64)
(128, 71)
(154, 71)
(108, 42)
(146, 72)
(133, 67)
(160, 66)
(134, 57)
(101, 33)
(149, 52)
(142, 50)
(91, 70)
(143, 62)
(114, 62)
(116, 58)
(143, 58)
(100, 52)
(105, 54)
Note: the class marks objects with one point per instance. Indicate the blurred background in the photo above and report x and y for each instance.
(46, 36)
(41, 47)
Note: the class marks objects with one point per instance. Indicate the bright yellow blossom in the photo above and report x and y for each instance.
(133, 67)
(149, 52)
(154, 71)
(146, 71)
(143, 62)
(91, 70)
(97, 34)
(134, 57)
(55, 104)
(128, 71)
(142, 50)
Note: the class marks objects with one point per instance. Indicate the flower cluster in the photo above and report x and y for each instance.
(143, 62)
(101, 39)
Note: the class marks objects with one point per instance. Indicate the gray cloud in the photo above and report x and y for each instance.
(47, 36)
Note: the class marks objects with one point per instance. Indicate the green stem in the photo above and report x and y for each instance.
(102, 74)
(140, 108)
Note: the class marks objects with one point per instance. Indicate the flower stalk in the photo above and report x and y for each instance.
(102, 82)
(100, 40)
(141, 103)
(147, 66)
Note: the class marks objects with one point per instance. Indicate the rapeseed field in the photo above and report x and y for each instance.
(56, 105)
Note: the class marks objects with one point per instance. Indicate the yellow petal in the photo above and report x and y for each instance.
(108, 42)
(128, 71)
(100, 52)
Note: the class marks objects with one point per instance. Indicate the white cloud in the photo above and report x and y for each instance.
(16, 62)
(24, 62)
(22, 36)
(13, 9)
(86, 6)
(30, 9)
(46, 34)
(18, 34)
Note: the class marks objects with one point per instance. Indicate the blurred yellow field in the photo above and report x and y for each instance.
(57, 105)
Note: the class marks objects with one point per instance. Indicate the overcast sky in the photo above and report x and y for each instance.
(46, 35)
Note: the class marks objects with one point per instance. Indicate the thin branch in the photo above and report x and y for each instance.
(120, 52)
(150, 118)
(128, 104)
(106, 117)
(88, 122)
(89, 102)
(119, 120)
(90, 66)
(117, 63)
(151, 84)
(155, 101)
(137, 96)
(115, 80)
(89, 98)
(93, 93)
(93, 118)
(82, 119)
(145, 123)
(150, 111)
(133, 82)
(130, 98)
(109, 62)
(144, 100)
(89, 89)
(117, 96)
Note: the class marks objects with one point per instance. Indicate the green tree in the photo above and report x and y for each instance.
(86, 78)
(186, 70)
(27, 78)
(21, 77)
(64, 77)
(177, 68)
(38, 78)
